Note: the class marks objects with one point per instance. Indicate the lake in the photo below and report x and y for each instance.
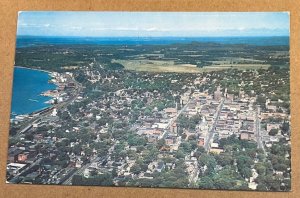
(27, 41)
(28, 84)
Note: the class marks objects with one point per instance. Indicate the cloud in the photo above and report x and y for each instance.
(32, 25)
(125, 29)
(151, 29)
(156, 23)
(76, 27)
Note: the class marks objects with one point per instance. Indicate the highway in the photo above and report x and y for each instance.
(212, 130)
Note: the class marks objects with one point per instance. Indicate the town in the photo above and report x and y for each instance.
(109, 126)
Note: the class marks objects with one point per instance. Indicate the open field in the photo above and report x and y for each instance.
(170, 66)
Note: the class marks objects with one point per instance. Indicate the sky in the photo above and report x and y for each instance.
(153, 24)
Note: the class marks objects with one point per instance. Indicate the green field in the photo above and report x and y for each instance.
(170, 66)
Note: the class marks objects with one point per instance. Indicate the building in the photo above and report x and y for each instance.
(214, 148)
(22, 157)
(271, 126)
(174, 128)
(271, 108)
(160, 166)
(201, 141)
(247, 135)
(13, 154)
(217, 94)
(14, 168)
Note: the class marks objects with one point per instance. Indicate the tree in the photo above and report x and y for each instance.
(77, 180)
(186, 147)
(244, 164)
(260, 168)
(114, 66)
(150, 155)
(65, 116)
(114, 172)
(206, 183)
(261, 100)
(148, 111)
(285, 127)
(29, 136)
(104, 179)
(135, 169)
(224, 159)
(208, 161)
(273, 132)
(261, 187)
(13, 130)
(223, 183)
(161, 143)
(179, 154)
(246, 172)
(194, 144)
(134, 140)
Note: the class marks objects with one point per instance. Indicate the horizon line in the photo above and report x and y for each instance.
(152, 36)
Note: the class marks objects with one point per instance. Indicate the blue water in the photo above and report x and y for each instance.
(27, 86)
(26, 41)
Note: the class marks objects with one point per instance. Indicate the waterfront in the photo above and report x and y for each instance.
(26, 96)
(156, 103)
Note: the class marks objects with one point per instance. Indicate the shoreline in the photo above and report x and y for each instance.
(22, 67)
(26, 115)
(49, 105)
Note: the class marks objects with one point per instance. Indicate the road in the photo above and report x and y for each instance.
(193, 177)
(79, 171)
(178, 114)
(212, 130)
(62, 105)
(258, 134)
(28, 124)
(15, 178)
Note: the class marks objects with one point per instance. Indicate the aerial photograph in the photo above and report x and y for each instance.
(196, 100)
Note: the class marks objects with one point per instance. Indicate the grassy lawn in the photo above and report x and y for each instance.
(170, 66)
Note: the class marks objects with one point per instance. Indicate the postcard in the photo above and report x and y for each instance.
(196, 100)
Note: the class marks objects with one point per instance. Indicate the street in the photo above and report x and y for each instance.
(258, 134)
(211, 132)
